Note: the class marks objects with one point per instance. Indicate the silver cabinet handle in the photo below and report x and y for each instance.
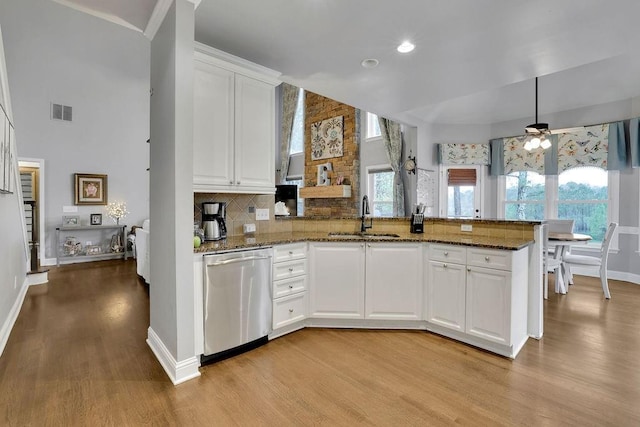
(290, 269)
(290, 252)
(468, 269)
(486, 258)
(291, 310)
(234, 260)
(231, 182)
(444, 265)
(238, 182)
(446, 253)
(290, 286)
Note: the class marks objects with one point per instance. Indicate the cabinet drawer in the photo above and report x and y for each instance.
(289, 252)
(287, 269)
(490, 258)
(285, 287)
(448, 253)
(289, 309)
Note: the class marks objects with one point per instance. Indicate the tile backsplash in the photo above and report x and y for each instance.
(238, 214)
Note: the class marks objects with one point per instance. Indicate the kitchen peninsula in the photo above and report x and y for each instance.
(482, 287)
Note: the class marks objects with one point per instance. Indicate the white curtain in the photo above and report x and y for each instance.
(392, 137)
(289, 95)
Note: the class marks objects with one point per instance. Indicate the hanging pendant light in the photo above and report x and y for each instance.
(537, 131)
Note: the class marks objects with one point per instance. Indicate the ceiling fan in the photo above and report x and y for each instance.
(537, 132)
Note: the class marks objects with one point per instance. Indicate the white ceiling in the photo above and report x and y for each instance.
(474, 62)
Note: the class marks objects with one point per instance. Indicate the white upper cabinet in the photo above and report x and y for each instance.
(234, 124)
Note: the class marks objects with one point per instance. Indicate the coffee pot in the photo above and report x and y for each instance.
(213, 220)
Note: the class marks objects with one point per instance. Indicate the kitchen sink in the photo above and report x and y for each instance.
(364, 235)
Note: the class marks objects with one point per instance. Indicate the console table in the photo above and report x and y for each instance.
(82, 256)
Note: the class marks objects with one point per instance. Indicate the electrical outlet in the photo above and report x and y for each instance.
(466, 227)
(252, 209)
(262, 214)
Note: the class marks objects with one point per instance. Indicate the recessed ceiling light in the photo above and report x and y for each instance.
(369, 63)
(406, 47)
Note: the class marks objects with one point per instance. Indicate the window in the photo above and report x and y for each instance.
(460, 192)
(373, 127)
(296, 151)
(525, 196)
(585, 194)
(380, 190)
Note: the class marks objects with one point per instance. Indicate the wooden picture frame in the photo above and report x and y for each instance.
(96, 219)
(71, 221)
(90, 189)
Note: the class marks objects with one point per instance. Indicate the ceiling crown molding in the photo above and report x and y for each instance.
(106, 16)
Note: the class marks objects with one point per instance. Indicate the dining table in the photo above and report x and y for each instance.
(562, 243)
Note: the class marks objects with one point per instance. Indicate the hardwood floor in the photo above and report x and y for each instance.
(78, 356)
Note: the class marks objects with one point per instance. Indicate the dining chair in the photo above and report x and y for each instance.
(593, 262)
(559, 226)
(551, 264)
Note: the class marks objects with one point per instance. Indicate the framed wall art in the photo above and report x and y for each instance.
(70, 221)
(96, 219)
(327, 138)
(90, 189)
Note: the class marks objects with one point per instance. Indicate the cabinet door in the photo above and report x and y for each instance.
(254, 134)
(445, 299)
(213, 127)
(488, 304)
(336, 285)
(393, 281)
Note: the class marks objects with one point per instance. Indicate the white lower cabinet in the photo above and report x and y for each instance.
(366, 281)
(336, 273)
(290, 298)
(446, 290)
(481, 293)
(393, 289)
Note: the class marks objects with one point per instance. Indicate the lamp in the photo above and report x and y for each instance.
(539, 131)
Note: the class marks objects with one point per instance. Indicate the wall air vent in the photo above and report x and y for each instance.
(61, 112)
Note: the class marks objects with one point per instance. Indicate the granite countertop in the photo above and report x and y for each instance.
(270, 239)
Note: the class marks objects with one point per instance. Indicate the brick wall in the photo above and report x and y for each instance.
(318, 108)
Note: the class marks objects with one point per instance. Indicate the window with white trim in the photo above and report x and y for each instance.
(296, 150)
(380, 190)
(587, 194)
(461, 191)
(373, 126)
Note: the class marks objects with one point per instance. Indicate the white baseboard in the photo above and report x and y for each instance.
(178, 372)
(615, 275)
(48, 261)
(37, 278)
(7, 326)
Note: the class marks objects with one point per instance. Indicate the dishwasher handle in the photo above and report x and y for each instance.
(234, 260)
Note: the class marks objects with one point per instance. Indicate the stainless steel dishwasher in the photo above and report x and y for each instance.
(237, 302)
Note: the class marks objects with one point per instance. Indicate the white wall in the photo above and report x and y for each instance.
(171, 334)
(57, 54)
(13, 252)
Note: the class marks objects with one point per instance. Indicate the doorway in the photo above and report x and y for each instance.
(31, 181)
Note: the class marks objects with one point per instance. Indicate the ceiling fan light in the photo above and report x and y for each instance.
(535, 142)
(545, 143)
(527, 145)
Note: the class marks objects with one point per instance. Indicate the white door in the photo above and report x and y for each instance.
(336, 273)
(255, 134)
(213, 127)
(489, 304)
(393, 281)
(446, 293)
(461, 191)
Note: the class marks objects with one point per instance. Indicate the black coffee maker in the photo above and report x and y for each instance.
(213, 220)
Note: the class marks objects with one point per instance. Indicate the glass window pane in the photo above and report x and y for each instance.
(373, 127)
(297, 131)
(590, 218)
(524, 210)
(525, 185)
(381, 193)
(461, 201)
(583, 183)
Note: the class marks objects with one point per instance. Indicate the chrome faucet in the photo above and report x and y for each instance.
(365, 212)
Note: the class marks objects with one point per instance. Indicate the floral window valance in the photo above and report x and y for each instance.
(464, 154)
(518, 159)
(585, 147)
